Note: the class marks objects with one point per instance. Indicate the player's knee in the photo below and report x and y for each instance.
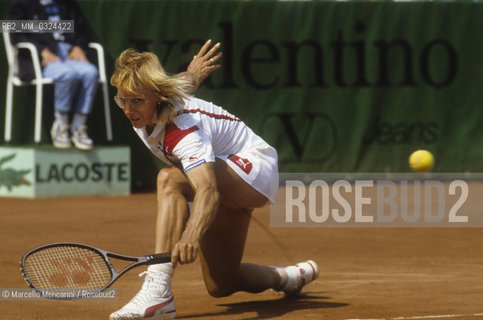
(217, 291)
(163, 179)
(221, 283)
(166, 179)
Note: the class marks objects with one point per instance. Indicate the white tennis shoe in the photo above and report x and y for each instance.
(297, 276)
(81, 139)
(154, 300)
(60, 135)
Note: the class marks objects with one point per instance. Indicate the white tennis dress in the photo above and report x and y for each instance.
(202, 132)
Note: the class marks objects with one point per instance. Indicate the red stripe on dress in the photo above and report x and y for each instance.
(212, 115)
(173, 135)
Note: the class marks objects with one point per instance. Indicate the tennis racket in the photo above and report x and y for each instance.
(71, 266)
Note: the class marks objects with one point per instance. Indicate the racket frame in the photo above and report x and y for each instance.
(137, 261)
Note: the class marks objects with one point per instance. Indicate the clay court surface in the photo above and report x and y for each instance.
(364, 273)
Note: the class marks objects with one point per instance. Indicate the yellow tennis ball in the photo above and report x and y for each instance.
(421, 161)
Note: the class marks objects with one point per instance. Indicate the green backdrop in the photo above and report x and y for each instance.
(334, 86)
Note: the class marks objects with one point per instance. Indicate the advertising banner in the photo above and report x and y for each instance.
(48, 172)
(334, 86)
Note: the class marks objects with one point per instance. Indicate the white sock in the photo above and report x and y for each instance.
(162, 267)
(164, 274)
(77, 121)
(283, 278)
(62, 117)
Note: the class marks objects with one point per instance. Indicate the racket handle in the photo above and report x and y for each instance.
(158, 258)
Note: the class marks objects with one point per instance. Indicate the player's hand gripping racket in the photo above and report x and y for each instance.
(68, 266)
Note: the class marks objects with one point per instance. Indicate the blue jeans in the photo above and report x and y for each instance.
(75, 82)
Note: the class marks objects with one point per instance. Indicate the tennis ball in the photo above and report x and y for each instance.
(421, 161)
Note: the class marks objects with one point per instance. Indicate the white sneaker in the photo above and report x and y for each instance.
(60, 135)
(81, 140)
(154, 300)
(298, 276)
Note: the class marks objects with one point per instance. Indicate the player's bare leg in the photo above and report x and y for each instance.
(155, 299)
(173, 194)
(223, 271)
(221, 260)
(221, 247)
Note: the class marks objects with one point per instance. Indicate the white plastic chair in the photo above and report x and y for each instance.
(39, 82)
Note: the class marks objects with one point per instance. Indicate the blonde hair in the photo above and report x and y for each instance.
(142, 69)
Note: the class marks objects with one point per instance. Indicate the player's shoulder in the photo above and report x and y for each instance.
(191, 112)
(185, 120)
(202, 108)
(182, 117)
(176, 132)
(195, 105)
(183, 124)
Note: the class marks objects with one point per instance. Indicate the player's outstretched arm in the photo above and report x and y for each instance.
(205, 206)
(202, 65)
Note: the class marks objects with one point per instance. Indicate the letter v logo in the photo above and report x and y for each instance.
(309, 136)
(293, 133)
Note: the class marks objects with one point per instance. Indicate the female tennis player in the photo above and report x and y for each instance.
(216, 163)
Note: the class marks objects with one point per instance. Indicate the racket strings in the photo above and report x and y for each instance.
(67, 267)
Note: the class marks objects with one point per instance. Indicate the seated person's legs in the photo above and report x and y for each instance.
(88, 76)
(65, 88)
